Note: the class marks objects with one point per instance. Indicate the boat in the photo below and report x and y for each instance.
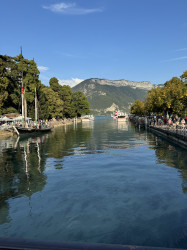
(87, 118)
(122, 118)
(31, 130)
(26, 129)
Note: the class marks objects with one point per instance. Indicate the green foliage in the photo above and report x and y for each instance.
(30, 80)
(9, 85)
(80, 104)
(10, 110)
(171, 99)
(74, 104)
(54, 84)
(184, 75)
(43, 111)
(174, 92)
(53, 103)
(65, 94)
(155, 101)
(138, 108)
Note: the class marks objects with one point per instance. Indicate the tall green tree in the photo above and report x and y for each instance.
(138, 108)
(53, 103)
(65, 94)
(184, 76)
(29, 73)
(172, 99)
(154, 102)
(54, 84)
(9, 85)
(174, 92)
(80, 104)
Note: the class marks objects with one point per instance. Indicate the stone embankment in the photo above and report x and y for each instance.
(61, 122)
(172, 132)
(178, 135)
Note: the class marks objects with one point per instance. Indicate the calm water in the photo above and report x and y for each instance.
(94, 182)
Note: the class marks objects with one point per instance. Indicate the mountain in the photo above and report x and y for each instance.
(106, 95)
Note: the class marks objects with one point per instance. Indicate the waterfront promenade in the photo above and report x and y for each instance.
(177, 134)
(8, 131)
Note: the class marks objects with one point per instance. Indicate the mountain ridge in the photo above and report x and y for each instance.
(107, 95)
(122, 82)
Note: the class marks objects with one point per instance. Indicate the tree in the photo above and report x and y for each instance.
(3, 85)
(138, 108)
(9, 85)
(154, 102)
(184, 76)
(172, 99)
(54, 84)
(65, 94)
(80, 104)
(53, 103)
(174, 93)
(43, 111)
(29, 73)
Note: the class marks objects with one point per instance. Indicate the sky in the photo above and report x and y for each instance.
(74, 40)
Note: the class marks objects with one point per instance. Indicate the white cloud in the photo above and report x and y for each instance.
(73, 82)
(176, 59)
(42, 68)
(181, 49)
(70, 9)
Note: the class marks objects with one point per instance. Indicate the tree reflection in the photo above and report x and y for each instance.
(167, 152)
(21, 172)
(63, 141)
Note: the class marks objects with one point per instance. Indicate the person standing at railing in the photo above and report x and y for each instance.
(165, 120)
(183, 123)
(177, 123)
(170, 122)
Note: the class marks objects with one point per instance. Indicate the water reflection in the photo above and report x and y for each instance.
(122, 126)
(97, 182)
(88, 125)
(21, 171)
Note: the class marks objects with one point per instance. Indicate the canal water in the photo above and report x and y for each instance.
(97, 182)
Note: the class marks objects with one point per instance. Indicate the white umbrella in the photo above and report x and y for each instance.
(19, 118)
(6, 119)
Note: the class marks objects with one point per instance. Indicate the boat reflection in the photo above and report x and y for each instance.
(89, 124)
(122, 126)
(21, 171)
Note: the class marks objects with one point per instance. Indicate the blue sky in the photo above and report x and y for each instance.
(138, 40)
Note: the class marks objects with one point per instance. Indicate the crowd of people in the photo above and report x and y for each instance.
(171, 121)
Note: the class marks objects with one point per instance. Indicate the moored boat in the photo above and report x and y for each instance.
(23, 131)
(122, 118)
(38, 127)
(87, 118)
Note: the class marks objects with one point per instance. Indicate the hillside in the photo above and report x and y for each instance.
(105, 96)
